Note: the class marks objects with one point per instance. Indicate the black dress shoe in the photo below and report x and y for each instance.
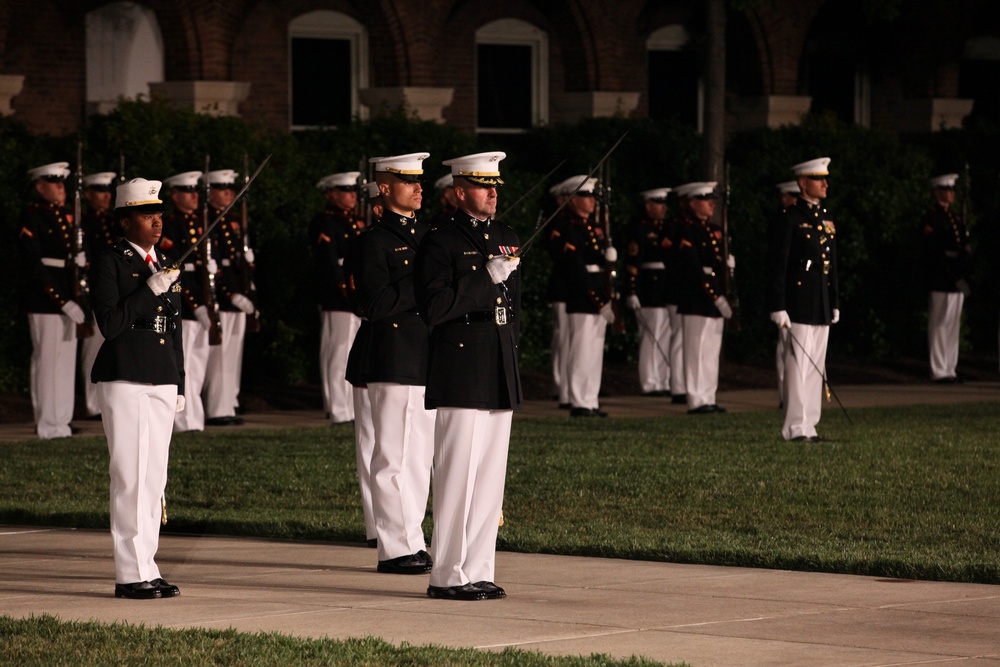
(224, 421)
(466, 592)
(492, 591)
(426, 556)
(587, 412)
(702, 410)
(412, 564)
(74, 430)
(166, 590)
(679, 399)
(140, 590)
(718, 408)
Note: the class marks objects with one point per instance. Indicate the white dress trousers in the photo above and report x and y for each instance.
(364, 446)
(337, 332)
(470, 464)
(401, 466)
(560, 351)
(803, 382)
(677, 380)
(702, 347)
(944, 320)
(225, 366)
(53, 363)
(196, 350)
(654, 349)
(89, 347)
(138, 419)
(586, 358)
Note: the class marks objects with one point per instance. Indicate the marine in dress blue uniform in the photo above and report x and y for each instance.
(139, 371)
(946, 260)
(394, 367)
(802, 295)
(101, 231)
(331, 233)
(469, 294)
(703, 303)
(46, 255)
(183, 226)
(646, 257)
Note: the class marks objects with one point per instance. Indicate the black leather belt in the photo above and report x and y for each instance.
(159, 324)
(500, 315)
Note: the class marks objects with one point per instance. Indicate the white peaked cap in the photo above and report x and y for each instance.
(342, 180)
(101, 179)
(60, 169)
(187, 179)
(137, 192)
(220, 177)
(943, 181)
(408, 167)
(479, 168)
(695, 189)
(583, 184)
(817, 167)
(656, 194)
(445, 182)
(788, 188)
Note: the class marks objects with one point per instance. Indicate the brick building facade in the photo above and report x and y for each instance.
(501, 65)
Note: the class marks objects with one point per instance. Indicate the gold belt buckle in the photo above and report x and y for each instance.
(501, 316)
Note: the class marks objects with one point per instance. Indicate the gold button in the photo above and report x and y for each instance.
(486, 236)
(406, 261)
(489, 256)
(395, 326)
(413, 231)
(159, 309)
(473, 267)
(162, 342)
(498, 300)
(461, 344)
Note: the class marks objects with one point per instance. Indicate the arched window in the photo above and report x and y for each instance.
(675, 85)
(124, 54)
(512, 76)
(328, 64)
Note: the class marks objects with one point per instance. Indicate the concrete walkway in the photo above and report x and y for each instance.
(702, 615)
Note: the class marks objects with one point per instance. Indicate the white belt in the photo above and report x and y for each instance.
(189, 267)
(593, 268)
(225, 262)
(53, 262)
(708, 270)
(652, 265)
(340, 261)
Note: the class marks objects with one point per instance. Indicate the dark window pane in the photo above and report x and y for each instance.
(830, 81)
(503, 86)
(321, 81)
(978, 81)
(673, 86)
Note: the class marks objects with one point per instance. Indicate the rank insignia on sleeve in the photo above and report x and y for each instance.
(323, 238)
(26, 232)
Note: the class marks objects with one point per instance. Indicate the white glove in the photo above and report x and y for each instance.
(500, 268)
(180, 403)
(204, 319)
(243, 303)
(81, 259)
(74, 312)
(780, 317)
(212, 266)
(724, 307)
(836, 316)
(161, 281)
(632, 301)
(608, 312)
(731, 262)
(248, 255)
(610, 254)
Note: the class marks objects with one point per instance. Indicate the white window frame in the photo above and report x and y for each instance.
(674, 37)
(328, 24)
(515, 32)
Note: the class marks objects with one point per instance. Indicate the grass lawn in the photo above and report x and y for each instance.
(904, 492)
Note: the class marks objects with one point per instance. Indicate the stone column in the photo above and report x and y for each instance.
(212, 98)
(10, 86)
(427, 103)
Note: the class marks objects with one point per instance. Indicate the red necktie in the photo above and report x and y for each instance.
(150, 263)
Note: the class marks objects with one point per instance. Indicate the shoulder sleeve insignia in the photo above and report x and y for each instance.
(323, 238)
(26, 232)
(686, 244)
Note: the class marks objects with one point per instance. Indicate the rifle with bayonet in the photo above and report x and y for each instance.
(79, 277)
(728, 279)
(207, 278)
(253, 320)
(603, 215)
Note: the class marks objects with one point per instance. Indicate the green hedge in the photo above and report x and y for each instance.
(877, 195)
